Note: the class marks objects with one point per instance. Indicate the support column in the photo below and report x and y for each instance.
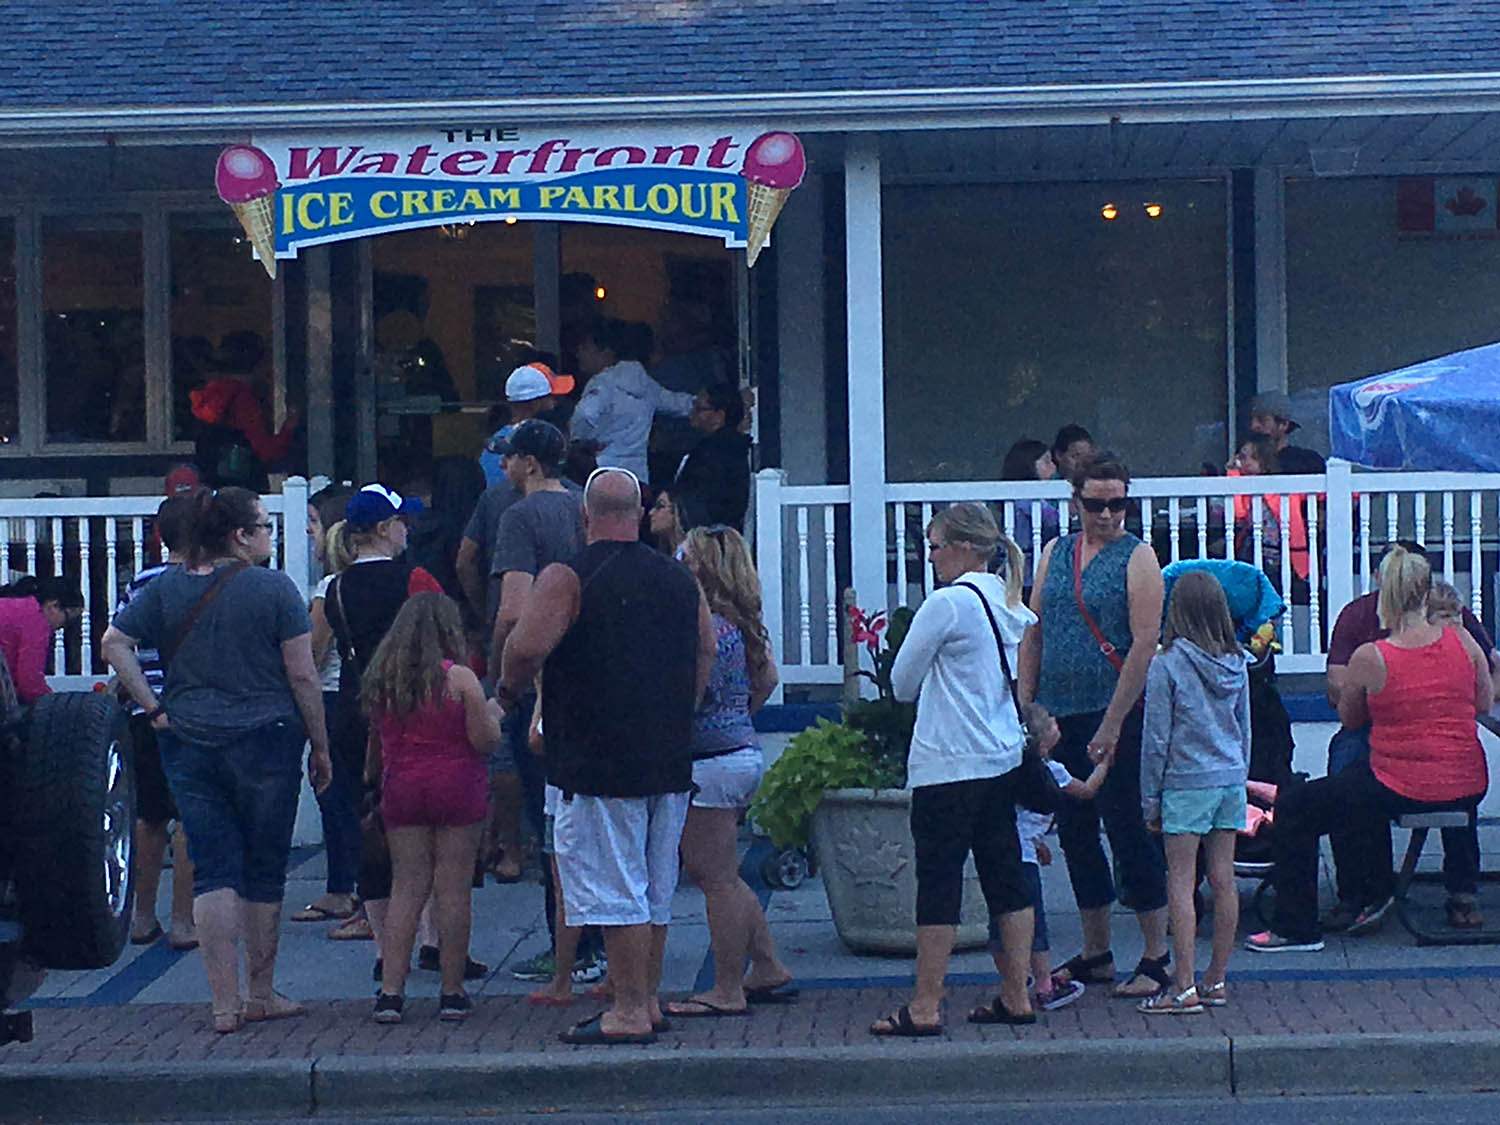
(546, 277)
(1270, 280)
(800, 373)
(364, 367)
(866, 352)
(319, 362)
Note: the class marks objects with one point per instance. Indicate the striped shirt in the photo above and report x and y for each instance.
(149, 658)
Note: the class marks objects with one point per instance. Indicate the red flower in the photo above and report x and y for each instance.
(866, 628)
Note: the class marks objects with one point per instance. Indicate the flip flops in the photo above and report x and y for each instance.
(357, 928)
(149, 938)
(1098, 969)
(591, 1033)
(782, 993)
(996, 1012)
(701, 1009)
(900, 1024)
(312, 912)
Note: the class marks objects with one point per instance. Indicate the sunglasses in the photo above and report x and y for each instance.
(1094, 506)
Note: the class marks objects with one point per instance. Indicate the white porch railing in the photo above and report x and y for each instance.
(1345, 517)
(104, 541)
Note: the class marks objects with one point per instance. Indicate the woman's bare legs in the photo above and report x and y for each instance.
(412, 851)
(1182, 879)
(453, 854)
(1220, 849)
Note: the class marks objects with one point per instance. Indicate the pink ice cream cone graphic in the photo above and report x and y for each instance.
(246, 180)
(774, 165)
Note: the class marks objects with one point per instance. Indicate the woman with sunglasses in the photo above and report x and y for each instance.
(1098, 601)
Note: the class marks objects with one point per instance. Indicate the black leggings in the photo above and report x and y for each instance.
(947, 823)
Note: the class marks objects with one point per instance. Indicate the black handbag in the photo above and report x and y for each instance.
(1034, 786)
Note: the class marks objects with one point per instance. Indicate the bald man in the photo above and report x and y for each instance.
(624, 641)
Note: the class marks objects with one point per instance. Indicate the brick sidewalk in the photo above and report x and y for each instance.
(821, 1018)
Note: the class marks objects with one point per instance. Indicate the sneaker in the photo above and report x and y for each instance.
(430, 960)
(388, 1008)
(1268, 942)
(539, 969)
(1340, 918)
(589, 969)
(454, 1006)
(1371, 918)
(1063, 993)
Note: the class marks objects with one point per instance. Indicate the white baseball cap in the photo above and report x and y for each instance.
(534, 381)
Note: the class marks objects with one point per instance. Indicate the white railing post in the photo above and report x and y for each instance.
(1340, 542)
(294, 532)
(867, 498)
(768, 559)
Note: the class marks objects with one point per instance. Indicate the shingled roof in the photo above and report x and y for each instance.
(109, 53)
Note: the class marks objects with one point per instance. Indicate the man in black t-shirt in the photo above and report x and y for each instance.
(627, 642)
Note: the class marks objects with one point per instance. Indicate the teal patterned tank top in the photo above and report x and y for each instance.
(1076, 678)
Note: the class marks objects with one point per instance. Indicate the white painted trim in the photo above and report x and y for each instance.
(1270, 279)
(866, 352)
(856, 110)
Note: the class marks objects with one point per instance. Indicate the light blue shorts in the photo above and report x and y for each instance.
(1197, 812)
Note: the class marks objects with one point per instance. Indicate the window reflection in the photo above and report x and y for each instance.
(93, 300)
(9, 378)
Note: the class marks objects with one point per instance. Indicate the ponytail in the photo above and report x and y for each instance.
(1015, 566)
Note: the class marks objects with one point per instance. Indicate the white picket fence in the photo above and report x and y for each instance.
(804, 550)
(103, 541)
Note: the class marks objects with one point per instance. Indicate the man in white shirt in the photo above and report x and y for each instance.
(621, 399)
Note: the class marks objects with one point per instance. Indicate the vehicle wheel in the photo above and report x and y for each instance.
(75, 816)
(785, 869)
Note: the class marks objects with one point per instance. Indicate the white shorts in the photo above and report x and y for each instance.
(729, 780)
(617, 858)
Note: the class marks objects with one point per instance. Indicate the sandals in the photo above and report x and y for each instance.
(357, 928)
(996, 1012)
(1214, 995)
(1153, 969)
(312, 912)
(1166, 1002)
(693, 1008)
(274, 1007)
(900, 1024)
(1098, 969)
(1464, 914)
(227, 1023)
(591, 1033)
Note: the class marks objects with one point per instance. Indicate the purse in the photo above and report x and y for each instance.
(1034, 787)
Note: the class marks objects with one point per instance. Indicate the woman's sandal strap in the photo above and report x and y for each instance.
(1087, 969)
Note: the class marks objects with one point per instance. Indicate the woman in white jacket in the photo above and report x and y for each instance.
(964, 753)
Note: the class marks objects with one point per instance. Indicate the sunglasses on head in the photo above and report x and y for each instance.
(1094, 506)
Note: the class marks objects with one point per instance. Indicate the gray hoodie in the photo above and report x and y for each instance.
(1196, 733)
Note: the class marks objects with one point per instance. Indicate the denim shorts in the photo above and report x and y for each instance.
(1197, 812)
(238, 803)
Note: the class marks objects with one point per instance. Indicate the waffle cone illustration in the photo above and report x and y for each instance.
(246, 180)
(258, 217)
(774, 166)
(765, 203)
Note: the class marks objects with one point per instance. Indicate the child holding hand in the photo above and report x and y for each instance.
(1195, 759)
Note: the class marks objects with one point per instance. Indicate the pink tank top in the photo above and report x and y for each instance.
(438, 733)
(1423, 740)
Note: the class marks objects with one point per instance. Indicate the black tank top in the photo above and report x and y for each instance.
(618, 691)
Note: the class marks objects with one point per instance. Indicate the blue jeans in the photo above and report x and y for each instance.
(1142, 864)
(238, 804)
(337, 803)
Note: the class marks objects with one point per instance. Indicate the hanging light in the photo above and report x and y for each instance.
(510, 220)
(1109, 212)
(1153, 210)
(600, 293)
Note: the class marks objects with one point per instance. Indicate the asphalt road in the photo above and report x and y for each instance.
(1409, 1109)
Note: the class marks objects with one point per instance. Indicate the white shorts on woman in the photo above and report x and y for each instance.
(728, 781)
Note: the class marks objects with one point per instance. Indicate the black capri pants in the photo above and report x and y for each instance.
(947, 823)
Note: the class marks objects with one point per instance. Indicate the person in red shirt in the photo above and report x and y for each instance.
(1419, 691)
(31, 610)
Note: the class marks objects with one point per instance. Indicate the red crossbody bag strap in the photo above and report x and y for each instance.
(1110, 653)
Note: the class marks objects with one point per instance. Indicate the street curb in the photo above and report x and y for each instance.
(642, 1077)
(1450, 1061)
(155, 1091)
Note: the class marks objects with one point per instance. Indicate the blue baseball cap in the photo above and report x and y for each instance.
(375, 503)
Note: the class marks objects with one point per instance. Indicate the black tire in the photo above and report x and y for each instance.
(75, 820)
(785, 869)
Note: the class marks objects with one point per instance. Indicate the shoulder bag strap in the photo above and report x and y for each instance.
(1110, 653)
(341, 631)
(1010, 680)
(169, 649)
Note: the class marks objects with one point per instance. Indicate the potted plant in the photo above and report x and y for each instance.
(842, 786)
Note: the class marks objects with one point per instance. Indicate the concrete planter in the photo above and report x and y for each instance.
(862, 839)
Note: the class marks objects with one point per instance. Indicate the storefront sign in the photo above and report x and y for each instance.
(297, 191)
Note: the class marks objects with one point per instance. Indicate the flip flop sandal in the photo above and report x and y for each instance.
(590, 1033)
(1098, 969)
(149, 938)
(1153, 969)
(701, 1009)
(182, 945)
(278, 1007)
(996, 1012)
(355, 929)
(899, 1023)
(312, 912)
(548, 1000)
(776, 994)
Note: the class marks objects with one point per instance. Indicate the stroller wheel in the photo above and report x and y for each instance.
(786, 869)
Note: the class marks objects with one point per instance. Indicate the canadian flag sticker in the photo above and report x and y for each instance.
(1448, 207)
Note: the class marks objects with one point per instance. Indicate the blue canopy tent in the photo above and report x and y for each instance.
(1441, 414)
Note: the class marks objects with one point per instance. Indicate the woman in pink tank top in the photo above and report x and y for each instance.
(1419, 691)
(431, 731)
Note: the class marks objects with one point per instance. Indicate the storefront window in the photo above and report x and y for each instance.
(93, 304)
(1013, 309)
(9, 368)
(221, 312)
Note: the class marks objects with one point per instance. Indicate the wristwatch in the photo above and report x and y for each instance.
(152, 716)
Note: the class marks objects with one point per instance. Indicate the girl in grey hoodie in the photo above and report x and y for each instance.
(1195, 758)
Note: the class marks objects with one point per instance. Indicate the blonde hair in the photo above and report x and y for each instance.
(1405, 581)
(1444, 601)
(1199, 612)
(720, 560)
(338, 548)
(406, 672)
(973, 524)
